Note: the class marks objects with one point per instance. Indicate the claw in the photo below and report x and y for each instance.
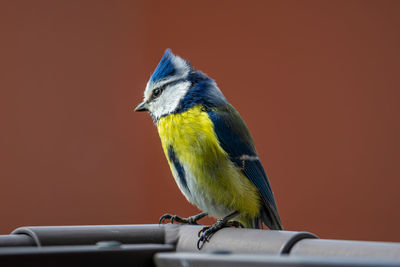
(164, 218)
(205, 228)
(175, 218)
(201, 242)
(208, 231)
(199, 245)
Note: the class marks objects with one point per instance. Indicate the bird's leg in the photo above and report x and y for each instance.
(189, 220)
(208, 231)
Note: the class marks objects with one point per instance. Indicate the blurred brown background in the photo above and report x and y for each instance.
(316, 81)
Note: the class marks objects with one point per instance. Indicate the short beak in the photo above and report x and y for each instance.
(142, 107)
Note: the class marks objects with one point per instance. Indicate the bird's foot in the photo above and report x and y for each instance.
(207, 232)
(189, 220)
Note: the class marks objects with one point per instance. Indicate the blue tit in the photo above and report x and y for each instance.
(209, 149)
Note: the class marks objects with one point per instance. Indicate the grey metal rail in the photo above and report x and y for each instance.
(175, 245)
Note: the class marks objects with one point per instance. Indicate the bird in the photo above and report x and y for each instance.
(209, 149)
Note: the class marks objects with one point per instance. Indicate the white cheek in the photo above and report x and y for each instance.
(169, 99)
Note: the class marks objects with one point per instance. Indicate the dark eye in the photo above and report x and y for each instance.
(156, 92)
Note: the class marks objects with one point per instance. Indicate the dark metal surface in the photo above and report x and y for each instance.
(91, 234)
(16, 241)
(236, 260)
(124, 255)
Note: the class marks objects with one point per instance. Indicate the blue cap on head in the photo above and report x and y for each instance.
(165, 68)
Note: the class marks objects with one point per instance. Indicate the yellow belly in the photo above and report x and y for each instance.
(192, 136)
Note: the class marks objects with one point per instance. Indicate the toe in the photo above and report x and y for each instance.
(164, 218)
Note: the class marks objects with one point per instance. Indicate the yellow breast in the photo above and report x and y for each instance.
(192, 137)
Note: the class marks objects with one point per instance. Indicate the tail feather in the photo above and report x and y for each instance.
(270, 217)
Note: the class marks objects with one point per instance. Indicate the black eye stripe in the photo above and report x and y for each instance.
(158, 91)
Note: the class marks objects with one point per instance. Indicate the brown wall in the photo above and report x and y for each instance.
(316, 81)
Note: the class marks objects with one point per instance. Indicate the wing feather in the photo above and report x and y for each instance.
(236, 140)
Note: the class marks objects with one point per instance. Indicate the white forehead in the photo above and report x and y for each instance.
(181, 72)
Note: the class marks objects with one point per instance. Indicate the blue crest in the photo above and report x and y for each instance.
(165, 68)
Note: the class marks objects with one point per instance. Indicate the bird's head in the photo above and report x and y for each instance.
(176, 86)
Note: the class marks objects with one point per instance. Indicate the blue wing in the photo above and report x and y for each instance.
(236, 140)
